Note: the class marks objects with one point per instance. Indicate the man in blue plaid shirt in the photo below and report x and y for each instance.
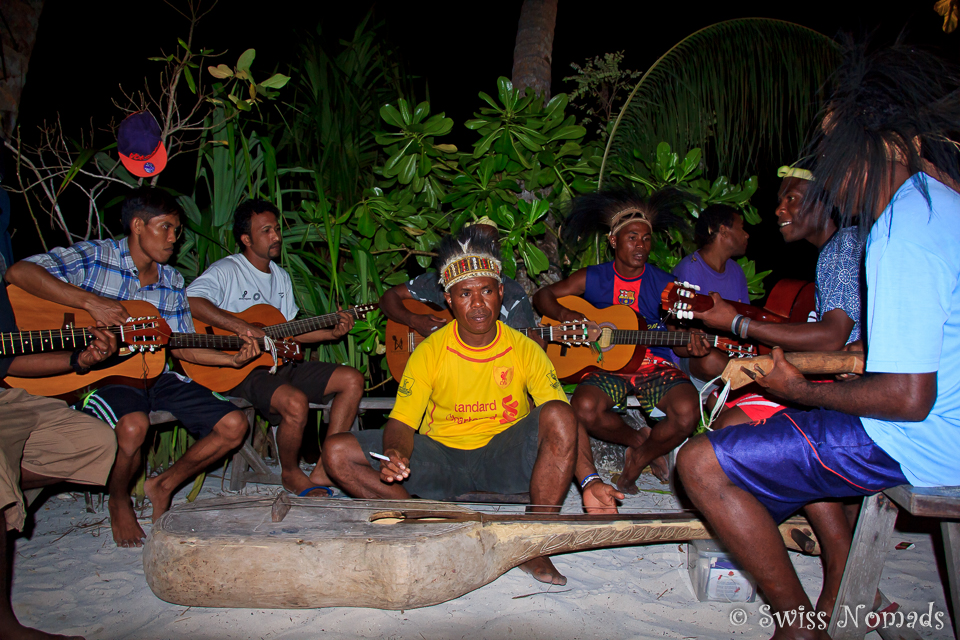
(97, 276)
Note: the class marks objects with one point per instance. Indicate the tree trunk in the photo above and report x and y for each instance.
(18, 33)
(533, 53)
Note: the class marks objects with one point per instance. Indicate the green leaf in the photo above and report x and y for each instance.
(188, 76)
(486, 98)
(391, 115)
(366, 225)
(571, 132)
(505, 91)
(246, 59)
(407, 168)
(534, 259)
(421, 112)
(276, 81)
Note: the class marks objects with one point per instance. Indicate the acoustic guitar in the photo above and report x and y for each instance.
(622, 345)
(268, 318)
(789, 301)
(402, 340)
(141, 360)
(57, 327)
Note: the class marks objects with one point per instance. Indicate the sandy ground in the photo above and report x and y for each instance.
(71, 578)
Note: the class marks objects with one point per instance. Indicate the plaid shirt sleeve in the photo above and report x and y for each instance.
(69, 264)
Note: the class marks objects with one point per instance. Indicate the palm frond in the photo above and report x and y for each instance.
(742, 90)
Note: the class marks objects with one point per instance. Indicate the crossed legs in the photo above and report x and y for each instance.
(346, 463)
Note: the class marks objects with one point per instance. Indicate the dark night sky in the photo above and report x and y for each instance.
(458, 49)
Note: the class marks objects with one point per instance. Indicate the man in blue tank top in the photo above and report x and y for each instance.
(629, 280)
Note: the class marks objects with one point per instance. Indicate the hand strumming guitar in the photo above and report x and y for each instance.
(568, 316)
(600, 497)
(105, 311)
(426, 324)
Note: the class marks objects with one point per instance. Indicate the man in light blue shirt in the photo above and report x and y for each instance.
(884, 150)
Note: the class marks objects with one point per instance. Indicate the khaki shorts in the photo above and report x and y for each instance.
(50, 439)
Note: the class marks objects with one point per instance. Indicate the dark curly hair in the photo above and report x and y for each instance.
(893, 104)
(241, 217)
(709, 223)
(146, 203)
(469, 239)
(592, 212)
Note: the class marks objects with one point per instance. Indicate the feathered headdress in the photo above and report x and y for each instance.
(616, 207)
(471, 253)
(898, 104)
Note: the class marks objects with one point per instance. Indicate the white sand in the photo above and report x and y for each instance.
(71, 578)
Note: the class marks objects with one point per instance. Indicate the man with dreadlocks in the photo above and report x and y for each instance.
(836, 321)
(466, 388)
(630, 281)
(884, 150)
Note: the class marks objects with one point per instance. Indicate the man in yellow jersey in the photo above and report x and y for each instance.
(466, 387)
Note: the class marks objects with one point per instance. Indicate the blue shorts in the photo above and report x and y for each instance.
(799, 457)
(197, 408)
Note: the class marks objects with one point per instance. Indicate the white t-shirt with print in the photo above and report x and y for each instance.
(235, 285)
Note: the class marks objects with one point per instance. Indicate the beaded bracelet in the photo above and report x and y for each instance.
(587, 480)
(735, 325)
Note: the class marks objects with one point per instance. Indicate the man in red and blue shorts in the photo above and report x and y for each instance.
(630, 281)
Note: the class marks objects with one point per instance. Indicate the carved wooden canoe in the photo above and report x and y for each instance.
(227, 552)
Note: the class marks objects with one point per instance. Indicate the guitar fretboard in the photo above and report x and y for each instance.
(650, 338)
(306, 325)
(208, 341)
(547, 334)
(18, 343)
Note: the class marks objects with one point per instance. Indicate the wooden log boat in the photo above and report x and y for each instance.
(229, 552)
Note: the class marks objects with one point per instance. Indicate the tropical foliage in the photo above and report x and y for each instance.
(742, 90)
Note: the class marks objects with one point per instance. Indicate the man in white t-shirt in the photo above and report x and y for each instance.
(249, 278)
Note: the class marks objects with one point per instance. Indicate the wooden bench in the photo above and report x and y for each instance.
(869, 552)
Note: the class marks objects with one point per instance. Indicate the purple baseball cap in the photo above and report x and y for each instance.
(138, 141)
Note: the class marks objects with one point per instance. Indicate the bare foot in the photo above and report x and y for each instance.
(319, 476)
(20, 632)
(627, 479)
(127, 532)
(543, 570)
(661, 469)
(159, 498)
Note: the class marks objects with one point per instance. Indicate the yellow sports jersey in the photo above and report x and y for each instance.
(470, 395)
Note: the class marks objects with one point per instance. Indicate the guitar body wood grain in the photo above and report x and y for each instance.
(126, 367)
(222, 379)
(572, 363)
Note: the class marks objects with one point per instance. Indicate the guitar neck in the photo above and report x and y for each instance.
(651, 338)
(18, 343)
(755, 313)
(306, 325)
(547, 334)
(208, 341)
